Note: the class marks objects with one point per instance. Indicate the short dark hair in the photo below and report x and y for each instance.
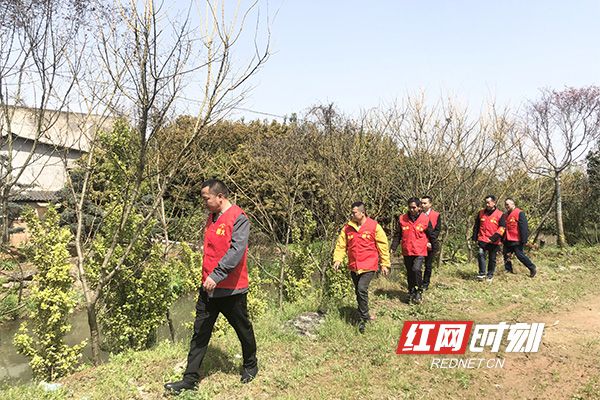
(428, 197)
(216, 187)
(490, 196)
(511, 199)
(361, 206)
(415, 200)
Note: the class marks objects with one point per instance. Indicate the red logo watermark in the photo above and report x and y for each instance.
(434, 337)
(452, 337)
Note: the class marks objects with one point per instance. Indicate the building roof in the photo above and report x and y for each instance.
(43, 196)
(58, 128)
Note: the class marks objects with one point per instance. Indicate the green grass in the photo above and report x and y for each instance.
(8, 265)
(8, 305)
(32, 392)
(590, 390)
(340, 362)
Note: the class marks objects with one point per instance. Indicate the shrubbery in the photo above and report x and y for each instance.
(52, 299)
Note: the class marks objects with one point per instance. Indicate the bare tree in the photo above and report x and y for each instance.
(447, 154)
(41, 46)
(557, 131)
(147, 57)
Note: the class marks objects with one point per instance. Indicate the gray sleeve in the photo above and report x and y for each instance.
(239, 243)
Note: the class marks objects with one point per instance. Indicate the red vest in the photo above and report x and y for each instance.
(361, 246)
(217, 240)
(433, 218)
(489, 225)
(512, 226)
(414, 239)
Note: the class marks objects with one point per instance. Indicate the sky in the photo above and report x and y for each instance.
(364, 54)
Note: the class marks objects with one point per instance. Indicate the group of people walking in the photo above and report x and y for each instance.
(362, 241)
(493, 227)
(365, 244)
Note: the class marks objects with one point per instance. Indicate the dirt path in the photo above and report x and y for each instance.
(567, 365)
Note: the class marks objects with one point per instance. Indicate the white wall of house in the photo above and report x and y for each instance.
(46, 170)
(64, 136)
(58, 128)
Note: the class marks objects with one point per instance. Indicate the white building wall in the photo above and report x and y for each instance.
(65, 137)
(45, 170)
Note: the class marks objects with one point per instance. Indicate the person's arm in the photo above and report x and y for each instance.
(429, 231)
(476, 228)
(382, 246)
(397, 237)
(429, 234)
(340, 248)
(237, 248)
(523, 227)
(435, 232)
(501, 229)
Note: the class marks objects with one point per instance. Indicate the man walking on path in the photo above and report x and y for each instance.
(224, 285)
(414, 232)
(487, 232)
(515, 238)
(365, 243)
(436, 225)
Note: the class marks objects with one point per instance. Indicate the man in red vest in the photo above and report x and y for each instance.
(224, 284)
(436, 225)
(365, 243)
(487, 232)
(414, 232)
(515, 238)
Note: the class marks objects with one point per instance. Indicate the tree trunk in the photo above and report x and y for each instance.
(560, 230)
(5, 238)
(546, 215)
(470, 255)
(171, 326)
(282, 278)
(94, 332)
(440, 254)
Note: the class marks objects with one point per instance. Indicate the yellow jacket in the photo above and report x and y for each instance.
(380, 240)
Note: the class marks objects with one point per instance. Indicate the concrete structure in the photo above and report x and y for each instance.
(42, 147)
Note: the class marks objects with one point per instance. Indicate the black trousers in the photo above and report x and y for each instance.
(235, 309)
(414, 275)
(490, 250)
(361, 288)
(435, 247)
(517, 250)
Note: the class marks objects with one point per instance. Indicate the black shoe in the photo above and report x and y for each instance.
(533, 273)
(361, 326)
(248, 374)
(425, 286)
(179, 386)
(510, 271)
(417, 299)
